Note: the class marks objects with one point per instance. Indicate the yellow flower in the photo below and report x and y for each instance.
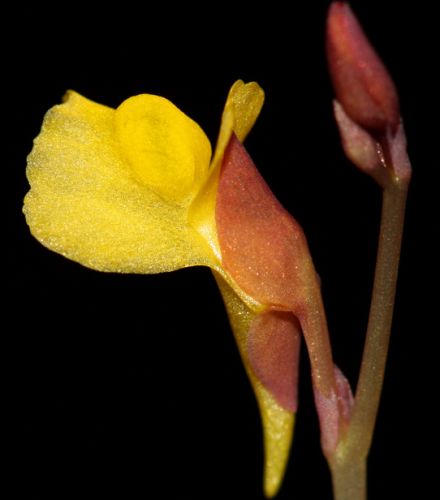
(134, 190)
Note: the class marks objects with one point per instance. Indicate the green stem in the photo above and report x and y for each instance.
(348, 462)
(349, 480)
(369, 387)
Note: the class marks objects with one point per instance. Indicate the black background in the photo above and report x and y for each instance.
(131, 386)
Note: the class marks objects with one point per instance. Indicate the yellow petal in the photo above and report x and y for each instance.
(277, 422)
(243, 105)
(88, 204)
(166, 150)
(245, 101)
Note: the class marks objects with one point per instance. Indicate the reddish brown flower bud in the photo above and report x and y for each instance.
(362, 84)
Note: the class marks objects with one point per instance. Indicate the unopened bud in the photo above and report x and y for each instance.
(362, 84)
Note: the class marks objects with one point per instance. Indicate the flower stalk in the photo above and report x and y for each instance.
(348, 463)
(373, 138)
(375, 354)
(349, 478)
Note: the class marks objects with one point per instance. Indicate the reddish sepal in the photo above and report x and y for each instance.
(273, 350)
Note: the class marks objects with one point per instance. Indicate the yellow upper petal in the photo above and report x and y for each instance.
(89, 204)
(245, 101)
(243, 105)
(167, 150)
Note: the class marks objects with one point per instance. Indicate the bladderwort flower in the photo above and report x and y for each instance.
(136, 190)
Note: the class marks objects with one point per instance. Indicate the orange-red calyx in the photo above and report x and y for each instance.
(263, 248)
(362, 84)
(265, 251)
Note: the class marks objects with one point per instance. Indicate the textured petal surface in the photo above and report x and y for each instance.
(277, 421)
(167, 151)
(245, 101)
(87, 203)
